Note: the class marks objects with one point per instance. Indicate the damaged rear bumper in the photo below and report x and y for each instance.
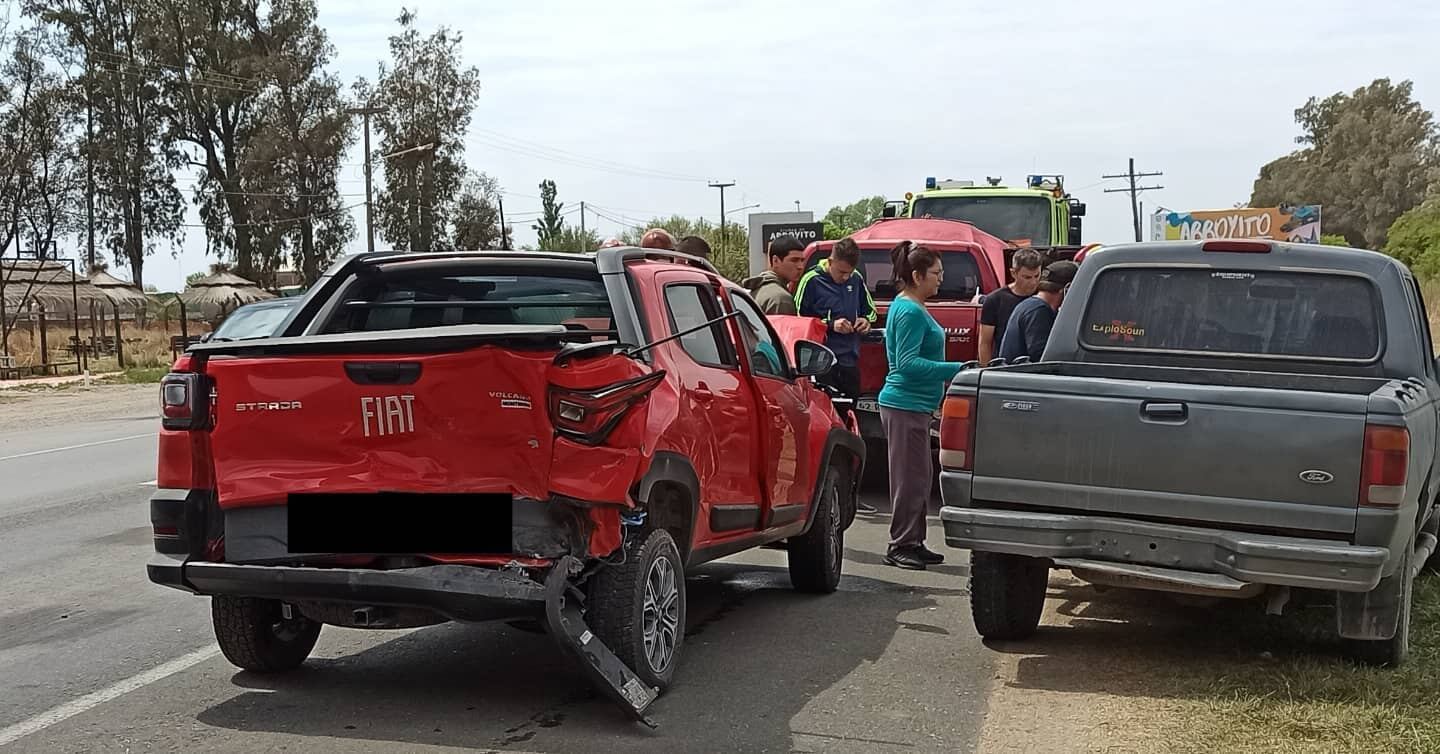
(459, 592)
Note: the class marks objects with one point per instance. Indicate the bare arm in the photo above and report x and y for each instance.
(987, 344)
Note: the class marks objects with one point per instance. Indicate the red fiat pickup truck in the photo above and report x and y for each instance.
(481, 435)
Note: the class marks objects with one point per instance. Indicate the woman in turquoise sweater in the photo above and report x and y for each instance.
(914, 388)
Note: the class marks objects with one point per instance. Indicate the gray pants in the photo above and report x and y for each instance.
(907, 434)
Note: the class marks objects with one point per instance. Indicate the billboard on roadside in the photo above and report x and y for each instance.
(765, 225)
(1288, 222)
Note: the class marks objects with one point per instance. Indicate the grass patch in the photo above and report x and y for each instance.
(1314, 701)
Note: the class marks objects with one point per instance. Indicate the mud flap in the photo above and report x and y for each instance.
(606, 671)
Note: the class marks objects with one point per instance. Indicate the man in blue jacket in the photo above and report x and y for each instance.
(835, 293)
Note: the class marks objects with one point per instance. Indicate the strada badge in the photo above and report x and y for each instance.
(271, 406)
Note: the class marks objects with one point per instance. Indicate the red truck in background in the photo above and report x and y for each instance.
(975, 264)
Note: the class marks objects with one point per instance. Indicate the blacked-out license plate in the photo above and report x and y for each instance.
(400, 522)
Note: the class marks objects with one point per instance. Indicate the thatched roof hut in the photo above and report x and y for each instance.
(220, 292)
(120, 292)
(49, 283)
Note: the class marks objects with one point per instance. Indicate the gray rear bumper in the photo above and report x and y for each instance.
(1253, 558)
(458, 592)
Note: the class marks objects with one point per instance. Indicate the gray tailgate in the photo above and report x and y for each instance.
(1243, 456)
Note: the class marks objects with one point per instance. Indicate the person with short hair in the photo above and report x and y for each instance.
(835, 292)
(771, 288)
(998, 306)
(914, 388)
(1029, 328)
(695, 246)
(657, 238)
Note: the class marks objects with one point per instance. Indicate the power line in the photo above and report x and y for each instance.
(495, 135)
(283, 221)
(633, 172)
(1134, 191)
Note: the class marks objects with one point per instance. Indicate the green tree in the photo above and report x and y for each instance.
(206, 67)
(551, 224)
(1367, 157)
(293, 162)
(42, 149)
(842, 220)
(1415, 238)
(573, 239)
(129, 155)
(428, 96)
(1333, 239)
(477, 217)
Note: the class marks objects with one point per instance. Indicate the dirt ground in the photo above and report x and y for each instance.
(1132, 671)
(34, 408)
(1063, 691)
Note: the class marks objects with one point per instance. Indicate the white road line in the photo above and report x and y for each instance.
(151, 483)
(75, 447)
(90, 701)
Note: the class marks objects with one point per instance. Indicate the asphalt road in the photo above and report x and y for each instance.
(95, 658)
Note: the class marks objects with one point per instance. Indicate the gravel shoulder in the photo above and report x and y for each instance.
(36, 408)
(1131, 671)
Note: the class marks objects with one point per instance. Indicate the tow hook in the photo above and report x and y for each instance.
(607, 672)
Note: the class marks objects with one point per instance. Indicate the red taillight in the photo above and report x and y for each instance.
(957, 432)
(1383, 466)
(1239, 246)
(588, 416)
(184, 401)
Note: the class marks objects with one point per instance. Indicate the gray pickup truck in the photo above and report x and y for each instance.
(1244, 419)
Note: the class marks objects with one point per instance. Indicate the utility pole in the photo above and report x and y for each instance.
(722, 187)
(369, 200)
(1134, 191)
(504, 237)
(89, 171)
(582, 219)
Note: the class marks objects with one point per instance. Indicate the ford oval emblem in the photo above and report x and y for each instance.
(1316, 476)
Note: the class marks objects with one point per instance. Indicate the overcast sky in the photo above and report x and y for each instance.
(827, 103)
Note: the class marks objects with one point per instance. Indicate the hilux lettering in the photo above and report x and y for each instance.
(388, 414)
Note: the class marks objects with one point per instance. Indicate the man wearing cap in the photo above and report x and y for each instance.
(1030, 323)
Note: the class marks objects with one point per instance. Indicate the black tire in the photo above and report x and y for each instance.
(1007, 594)
(817, 557)
(1432, 527)
(255, 635)
(619, 608)
(1393, 651)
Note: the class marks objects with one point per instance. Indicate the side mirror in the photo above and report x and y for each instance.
(813, 359)
(888, 211)
(1077, 209)
(1074, 230)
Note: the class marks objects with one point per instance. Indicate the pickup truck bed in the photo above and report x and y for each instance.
(1220, 418)
(1146, 441)
(1108, 464)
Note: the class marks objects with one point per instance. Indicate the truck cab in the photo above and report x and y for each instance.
(1040, 213)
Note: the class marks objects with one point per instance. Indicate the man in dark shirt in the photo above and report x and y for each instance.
(995, 312)
(1030, 323)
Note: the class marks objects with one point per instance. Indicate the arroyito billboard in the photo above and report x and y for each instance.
(1298, 224)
